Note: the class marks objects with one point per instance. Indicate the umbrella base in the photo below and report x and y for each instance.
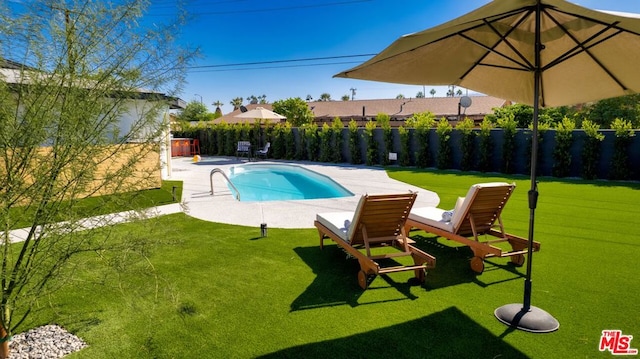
(534, 320)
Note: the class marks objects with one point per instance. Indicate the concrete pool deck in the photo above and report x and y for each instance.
(224, 208)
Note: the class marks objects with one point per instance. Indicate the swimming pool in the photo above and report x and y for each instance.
(281, 182)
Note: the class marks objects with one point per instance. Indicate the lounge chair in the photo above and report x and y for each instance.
(244, 148)
(375, 232)
(263, 152)
(474, 215)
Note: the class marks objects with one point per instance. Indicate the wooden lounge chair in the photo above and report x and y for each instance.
(375, 232)
(474, 215)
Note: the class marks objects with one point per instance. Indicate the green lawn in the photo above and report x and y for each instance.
(221, 291)
(94, 206)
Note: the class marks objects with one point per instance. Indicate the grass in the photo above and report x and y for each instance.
(94, 206)
(221, 291)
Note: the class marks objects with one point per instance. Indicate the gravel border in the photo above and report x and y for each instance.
(46, 342)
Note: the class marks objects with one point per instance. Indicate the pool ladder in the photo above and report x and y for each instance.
(217, 170)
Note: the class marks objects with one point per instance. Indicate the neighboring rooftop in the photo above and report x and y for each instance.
(397, 109)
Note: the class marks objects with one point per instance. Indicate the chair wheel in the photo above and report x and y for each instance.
(518, 260)
(363, 279)
(477, 265)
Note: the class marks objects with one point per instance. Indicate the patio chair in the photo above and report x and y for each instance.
(244, 148)
(375, 233)
(474, 215)
(263, 152)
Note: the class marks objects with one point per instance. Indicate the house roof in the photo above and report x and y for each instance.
(12, 72)
(396, 108)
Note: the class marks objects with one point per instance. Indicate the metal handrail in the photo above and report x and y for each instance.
(217, 170)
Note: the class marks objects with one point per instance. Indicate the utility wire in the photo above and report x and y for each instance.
(273, 67)
(280, 61)
(284, 8)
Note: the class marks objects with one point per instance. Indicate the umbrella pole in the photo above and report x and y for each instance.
(525, 316)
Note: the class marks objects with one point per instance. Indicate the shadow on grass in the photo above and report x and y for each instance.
(336, 280)
(453, 264)
(446, 334)
(336, 275)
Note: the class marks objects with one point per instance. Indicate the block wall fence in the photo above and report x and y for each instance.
(521, 157)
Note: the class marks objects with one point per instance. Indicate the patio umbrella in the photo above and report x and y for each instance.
(537, 52)
(261, 113)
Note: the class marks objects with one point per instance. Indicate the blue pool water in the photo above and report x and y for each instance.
(279, 182)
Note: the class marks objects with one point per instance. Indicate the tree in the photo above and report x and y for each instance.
(236, 103)
(451, 92)
(63, 139)
(325, 97)
(345, 98)
(420, 94)
(295, 109)
(604, 112)
(218, 112)
(433, 92)
(399, 97)
(194, 111)
(256, 99)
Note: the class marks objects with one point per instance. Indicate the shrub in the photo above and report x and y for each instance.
(336, 139)
(508, 125)
(372, 146)
(289, 141)
(620, 161)
(422, 122)
(354, 143)
(466, 143)
(325, 143)
(443, 130)
(278, 143)
(405, 146)
(313, 145)
(591, 149)
(385, 123)
(486, 145)
(562, 151)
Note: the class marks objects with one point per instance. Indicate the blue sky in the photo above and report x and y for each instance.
(234, 32)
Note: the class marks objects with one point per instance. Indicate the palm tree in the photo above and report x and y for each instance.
(218, 112)
(236, 103)
(400, 97)
(325, 97)
(433, 92)
(420, 94)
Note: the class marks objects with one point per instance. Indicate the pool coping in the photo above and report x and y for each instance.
(224, 208)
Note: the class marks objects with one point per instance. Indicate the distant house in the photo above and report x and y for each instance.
(12, 73)
(398, 109)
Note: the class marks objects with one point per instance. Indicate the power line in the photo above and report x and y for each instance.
(280, 61)
(284, 8)
(275, 67)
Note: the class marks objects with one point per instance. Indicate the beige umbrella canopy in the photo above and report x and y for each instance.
(586, 55)
(261, 113)
(537, 52)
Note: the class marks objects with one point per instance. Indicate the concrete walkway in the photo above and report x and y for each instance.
(223, 207)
